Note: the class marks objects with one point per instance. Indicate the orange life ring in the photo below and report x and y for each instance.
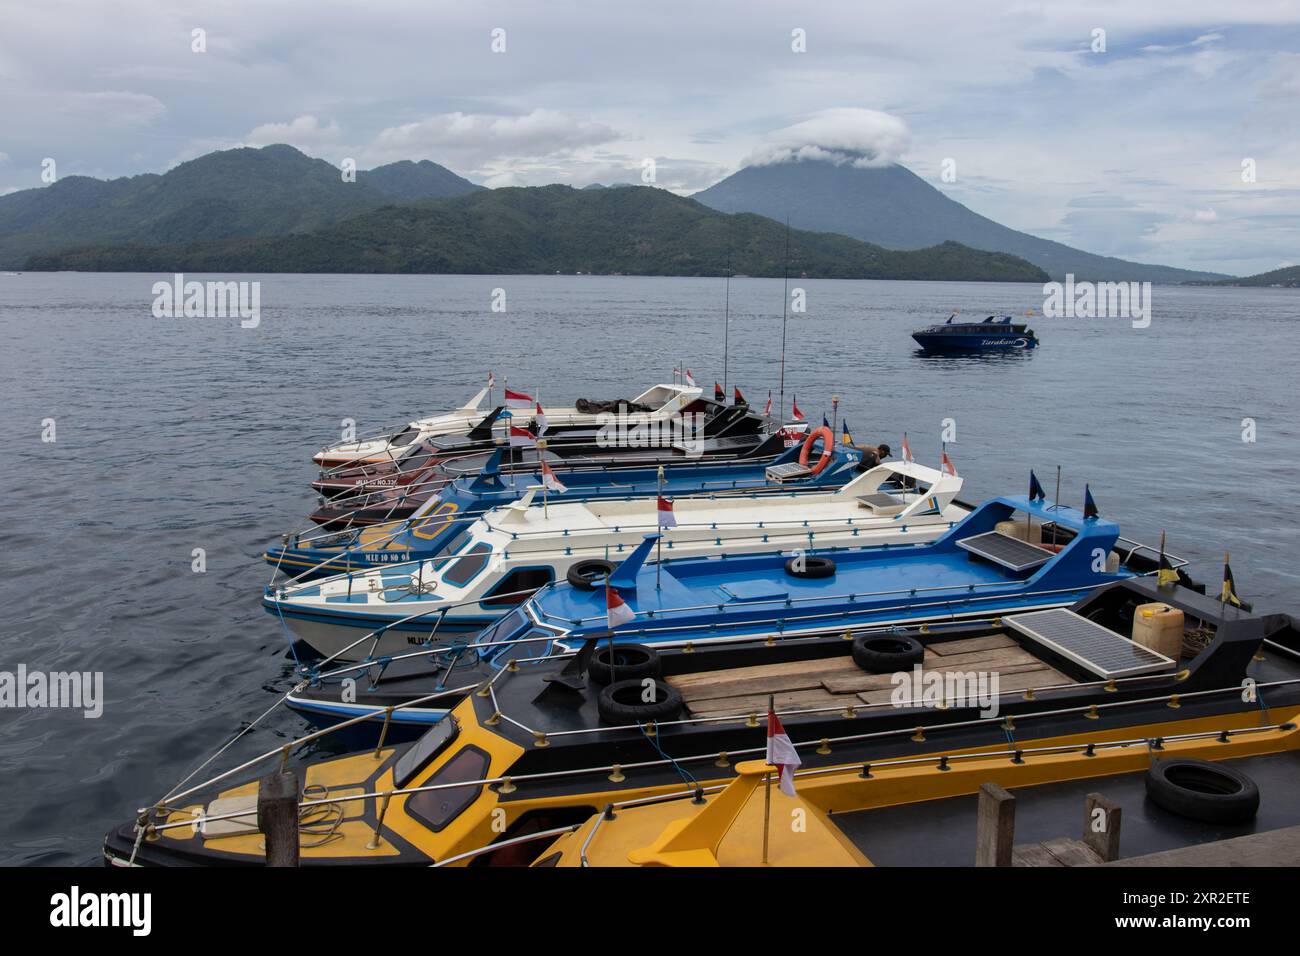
(828, 442)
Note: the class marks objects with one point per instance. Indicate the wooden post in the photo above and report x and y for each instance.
(277, 816)
(1101, 820)
(995, 829)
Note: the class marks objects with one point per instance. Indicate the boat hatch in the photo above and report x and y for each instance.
(1011, 553)
(754, 591)
(432, 743)
(790, 471)
(1087, 643)
(881, 503)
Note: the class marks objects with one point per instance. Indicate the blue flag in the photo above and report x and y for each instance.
(1036, 492)
(1089, 506)
(845, 437)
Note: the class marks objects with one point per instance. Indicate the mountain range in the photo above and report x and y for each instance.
(276, 209)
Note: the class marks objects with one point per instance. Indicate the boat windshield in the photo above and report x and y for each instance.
(502, 629)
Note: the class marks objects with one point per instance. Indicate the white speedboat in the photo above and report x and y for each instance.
(512, 550)
(657, 405)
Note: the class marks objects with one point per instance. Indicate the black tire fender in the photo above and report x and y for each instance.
(1202, 790)
(587, 575)
(810, 566)
(622, 702)
(887, 653)
(624, 661)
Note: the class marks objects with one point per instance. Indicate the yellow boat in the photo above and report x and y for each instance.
(537, 749)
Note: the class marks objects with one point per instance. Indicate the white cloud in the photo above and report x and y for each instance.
(1204, 215)
(860, 137)
(476, 139)
(304, 132)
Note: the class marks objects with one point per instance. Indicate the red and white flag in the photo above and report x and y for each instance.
(616, 609)
(521, 437)
(794, 408)
(945, 464)
(690, 379)
(519, 400)
(540, 417)
(491, 380)
(767, 409)
(907, 449)
(666, 517)
(781, 753)
(549, 481)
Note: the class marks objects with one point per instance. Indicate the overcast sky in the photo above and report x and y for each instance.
(1136, 151)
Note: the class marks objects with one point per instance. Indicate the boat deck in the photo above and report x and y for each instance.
(838, 681)
(942, 832)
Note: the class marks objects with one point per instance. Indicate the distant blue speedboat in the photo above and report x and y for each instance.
(997, 333)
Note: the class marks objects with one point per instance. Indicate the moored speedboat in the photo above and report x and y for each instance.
(442, 520)
(544, 747)
(997, 333)
(513, 550)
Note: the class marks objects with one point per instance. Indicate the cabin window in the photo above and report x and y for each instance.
(536, 643)
(404, 438)
(465, 568)
(435, 520)
(516, 586)
(503, 628)
(437, 808)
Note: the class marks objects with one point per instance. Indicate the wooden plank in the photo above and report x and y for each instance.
(685, 682)
(1033, 854)
(980, 660)
(1039, 677)
(988, 642)
(776, 683)
(1072, 852)
(757, 703)
(1279, 847)
(995, 826)
(861, 681)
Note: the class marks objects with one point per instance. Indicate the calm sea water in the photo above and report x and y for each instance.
(179, 434)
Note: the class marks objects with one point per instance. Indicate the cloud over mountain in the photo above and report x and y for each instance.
(859, 137)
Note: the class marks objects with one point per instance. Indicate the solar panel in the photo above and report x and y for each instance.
(882, 504)
(787, 472)
(1088, 644)
(1005, 550)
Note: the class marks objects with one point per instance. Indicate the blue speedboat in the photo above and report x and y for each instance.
(441, 522)
(974, 571)
(997, 333)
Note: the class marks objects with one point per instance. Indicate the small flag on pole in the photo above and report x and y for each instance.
(718, 394)
(1036, 492)
(1165, 573)
(491, 380)
(781, 753)
(794, 409)
(549, 481)
(666, 517)
(690, 379)
(1089, 506)
(540, 418)
(616, 610)
(521, 437)
(767, 409)
(946, 465)
(845, 437)
(907, 449)
(739, 399)
(826, 422)
(1229, 593)
(519, 400)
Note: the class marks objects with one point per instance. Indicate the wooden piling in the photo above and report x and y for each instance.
(1101, 830)
(277, 816)
(996, 826)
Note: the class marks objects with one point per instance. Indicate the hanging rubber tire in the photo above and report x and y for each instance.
(587, 575)
(887, 653)
(624, 661)
(622, 702)
(1201, 790)
(810, 566)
